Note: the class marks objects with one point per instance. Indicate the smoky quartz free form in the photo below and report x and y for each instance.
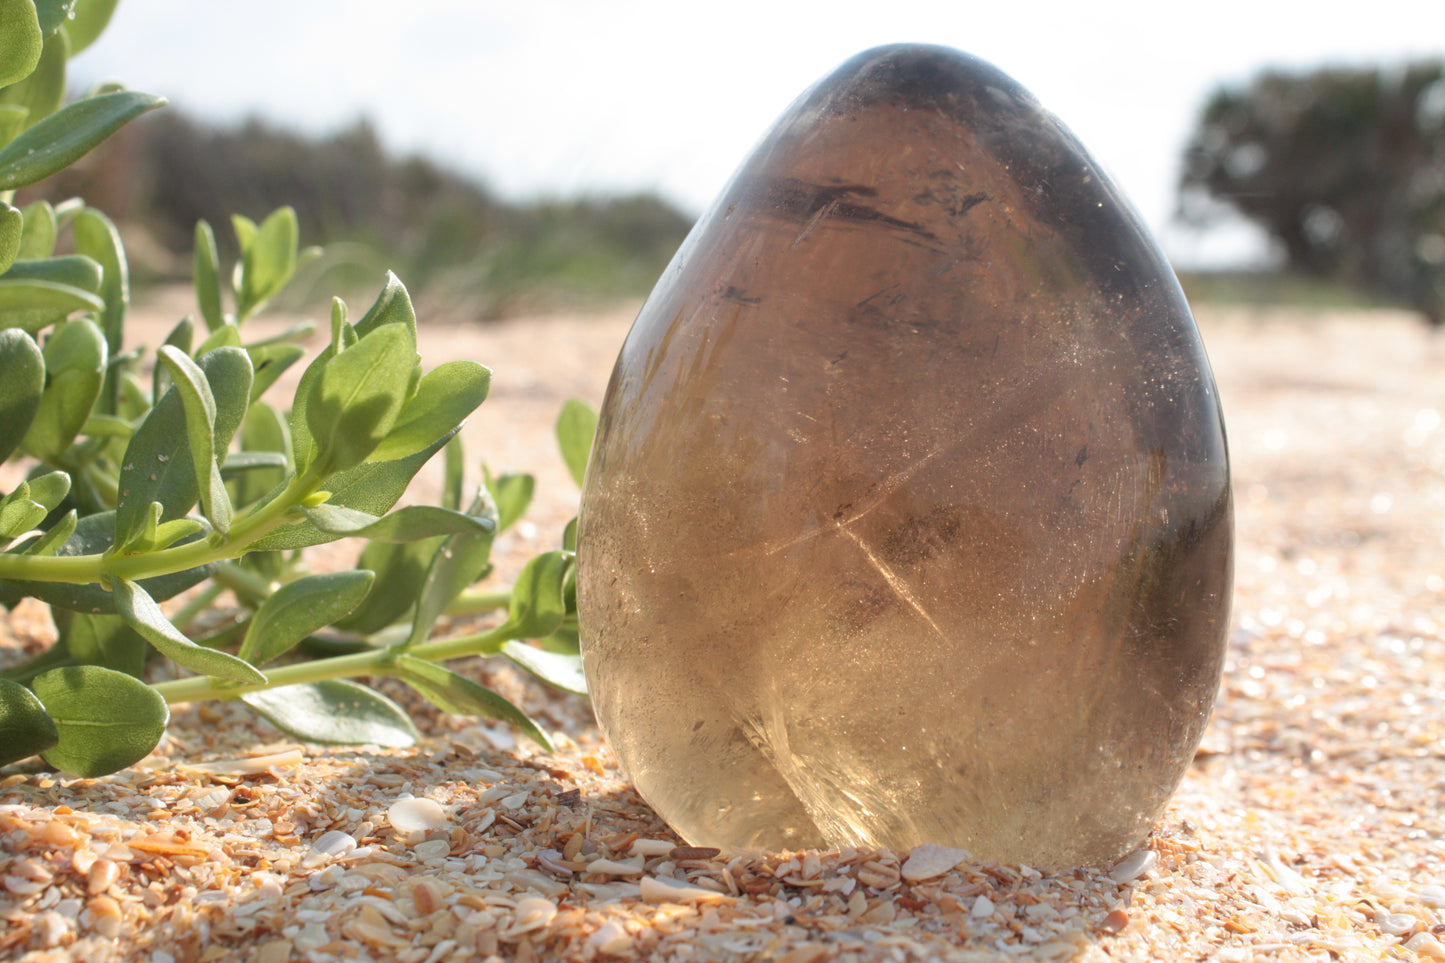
(908, 518)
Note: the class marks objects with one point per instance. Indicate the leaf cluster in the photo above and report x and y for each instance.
(146, 478)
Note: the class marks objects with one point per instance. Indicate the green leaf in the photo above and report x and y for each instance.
(355, 401)
(70, 133)
(31, 305)
(298, 608)
(158, 465)
(142, 614)
(267, 262)
(52, 14)
(21, 389)
(13, 119)
(106, 720)
(206, 272)
(74, 270)
(180, 337)
(12, 232)
(75, 361)
(168, 533)
(88, 19)
(263, 432)
(576, 424)
(392, 306)
(26, 729)
(96, 237)
(462, 559)
(51, 541)
(403, 525)
(20, 41)
(558, 669)
(133, 402)
(183, 335)
(43, 91)
(512, 493)
(50, 488)
(539, 601)
(270, 361)
(454, 473)
(443, 400)
(373, 487)
(461, 696)
(18, 514)
(45, 290)
(199, 406)
(335, 711)
(101, 640)
(303, 446)
(41, 228)
(564, 641)
(399, 568)
(238, 462)
(245, 230)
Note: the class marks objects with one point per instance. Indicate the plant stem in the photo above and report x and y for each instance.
(373, 663)
(248, 586)
(476, 603)
(259, 521)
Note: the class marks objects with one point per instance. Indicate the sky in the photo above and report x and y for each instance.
(559, 97)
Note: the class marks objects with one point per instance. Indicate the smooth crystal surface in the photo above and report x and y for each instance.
(908, 519)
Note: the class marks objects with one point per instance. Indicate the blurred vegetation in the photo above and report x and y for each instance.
(1267, 288)
(464, 251)
(1345, 167)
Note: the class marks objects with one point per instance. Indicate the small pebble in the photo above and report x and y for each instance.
(611, 938)
(1131, 867)
(329, 845)
(312, 937)
(533, 913)
(1425, 946)
(1397, 924)
(1114, 922)
(929, 860)
(656, 890)
(101, 875)
(1432, 896)
(653, 847)
(611, 867)
(416, 815)
(982, 907)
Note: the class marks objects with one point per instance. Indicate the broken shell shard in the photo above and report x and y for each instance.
(908, 518)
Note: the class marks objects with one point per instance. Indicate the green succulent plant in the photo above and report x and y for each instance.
(174, 478)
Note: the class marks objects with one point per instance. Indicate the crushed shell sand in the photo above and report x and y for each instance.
(1309, 828)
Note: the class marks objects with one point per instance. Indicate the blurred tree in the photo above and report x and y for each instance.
(1345, 167)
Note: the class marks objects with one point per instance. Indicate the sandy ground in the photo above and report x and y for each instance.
(1309, 828)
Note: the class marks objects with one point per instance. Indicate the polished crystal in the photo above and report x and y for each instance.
(908, 519)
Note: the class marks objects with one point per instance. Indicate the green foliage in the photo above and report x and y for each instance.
(452, 238)
(139, 486)
(105, 720)
(20, 40)
(1341, 166)
(335, 711)
(26, 729)
(575, 427)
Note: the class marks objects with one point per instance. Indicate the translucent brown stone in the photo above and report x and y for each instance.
(908, 518)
